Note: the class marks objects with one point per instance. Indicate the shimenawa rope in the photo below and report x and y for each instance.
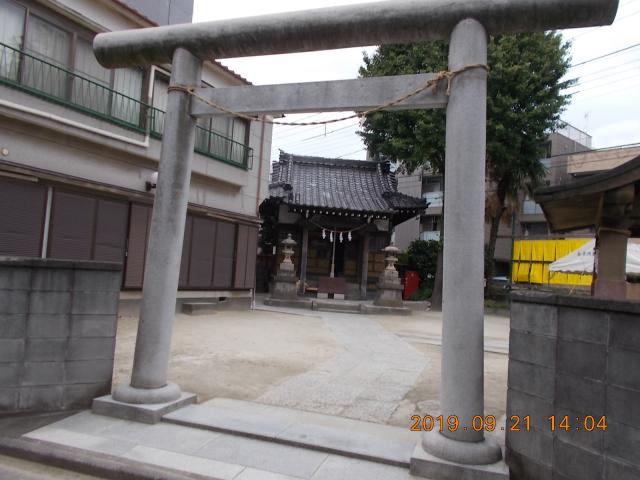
(433, 83)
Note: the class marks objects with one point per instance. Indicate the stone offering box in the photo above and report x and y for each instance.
(57, 332)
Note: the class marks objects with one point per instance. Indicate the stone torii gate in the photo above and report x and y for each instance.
(466, 26)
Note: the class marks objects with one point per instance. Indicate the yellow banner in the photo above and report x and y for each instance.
(532, 259)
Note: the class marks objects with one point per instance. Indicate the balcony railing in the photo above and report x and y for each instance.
(28, 73)
(430, 235)
(434, 199)
(209, 143)
(529, 207)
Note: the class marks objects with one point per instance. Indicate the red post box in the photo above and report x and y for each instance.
(411, 283)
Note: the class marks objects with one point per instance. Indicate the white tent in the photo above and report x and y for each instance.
(581, 260)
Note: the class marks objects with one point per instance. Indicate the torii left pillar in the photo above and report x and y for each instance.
(149, 383)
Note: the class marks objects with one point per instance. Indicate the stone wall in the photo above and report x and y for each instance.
(574, 357)
(57, 332)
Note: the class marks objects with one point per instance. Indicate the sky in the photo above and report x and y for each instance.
(605, 102)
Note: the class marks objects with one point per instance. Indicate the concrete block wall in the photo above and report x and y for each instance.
(574, 357)
(57, 332)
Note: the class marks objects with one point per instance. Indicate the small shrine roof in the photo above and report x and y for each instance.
(356, 186)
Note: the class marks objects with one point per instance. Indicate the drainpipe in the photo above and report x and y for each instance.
(262, 129)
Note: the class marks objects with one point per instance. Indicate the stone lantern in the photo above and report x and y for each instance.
(285, 282)
(390, 288)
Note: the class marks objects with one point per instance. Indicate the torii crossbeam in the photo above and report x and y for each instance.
(466, 25)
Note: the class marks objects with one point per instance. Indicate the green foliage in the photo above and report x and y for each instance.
(423, 258)
(423, 293)
(403, 258)
(411, 137)
(524, 106)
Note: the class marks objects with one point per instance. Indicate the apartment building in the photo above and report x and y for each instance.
(80, 144)
(530, 221)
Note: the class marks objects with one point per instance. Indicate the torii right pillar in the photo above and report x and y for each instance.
(464, 450)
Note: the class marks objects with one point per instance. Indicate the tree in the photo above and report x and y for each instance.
(524, 104)
(422, 256)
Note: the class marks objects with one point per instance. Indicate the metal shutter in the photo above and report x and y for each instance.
(241, 256)
(186, 253)
(252, 254)
(225, 250)
(22, 210)
(203, 236)
(111, 231)
(72, 226)
(139, 222)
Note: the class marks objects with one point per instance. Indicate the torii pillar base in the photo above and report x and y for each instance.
(151, 412)
(424, 464)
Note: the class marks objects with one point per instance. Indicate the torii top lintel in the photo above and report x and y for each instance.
(394, 21)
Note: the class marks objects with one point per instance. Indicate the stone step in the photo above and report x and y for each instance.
(335, 307)
(200, 308)
(341, 436)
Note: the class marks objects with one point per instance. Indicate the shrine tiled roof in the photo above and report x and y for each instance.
(337, 184)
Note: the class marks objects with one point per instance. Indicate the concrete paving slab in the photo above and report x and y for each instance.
(87, 422)
(186, 463)
(87, 461)
(163, 436)
(337, 435)
(340, 468)
(16, 469)
(351, 443)
(81, 440)
(222, 419)
(254, 474)
(263, 455)
(350, 379)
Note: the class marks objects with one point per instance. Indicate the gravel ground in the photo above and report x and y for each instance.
(379, 368)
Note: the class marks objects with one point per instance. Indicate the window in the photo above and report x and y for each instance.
(55, 57)
(434, 199)
(53, 45)
(127, 81)
(11, 31)
(220, 137)
(432, 223)
(159, 102)
(530, 207)
(85, 93)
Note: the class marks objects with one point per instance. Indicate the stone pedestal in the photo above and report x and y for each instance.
(284, 285)
(390, 288)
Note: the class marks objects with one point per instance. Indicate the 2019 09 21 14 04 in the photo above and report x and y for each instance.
(515, 423)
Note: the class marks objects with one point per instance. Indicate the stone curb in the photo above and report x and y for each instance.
(89, 463)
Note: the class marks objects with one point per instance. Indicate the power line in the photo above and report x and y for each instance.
(322, 136)
(346, 138)
(605, 55)
(351, 153)
(609, 84)
(609, 71)
(606, 82)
